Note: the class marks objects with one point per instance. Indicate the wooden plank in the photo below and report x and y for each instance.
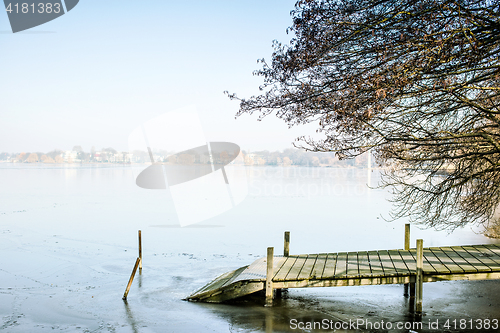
(446, 260)
(219, 281)
(486, 253)
(257, 269)
(364, 266)
(433, 264)
(494, 249)
(375, 264)
(297, 266)
(398, 263)
(387, 265)
(305, 272)
(464, 264)
(440, 261)
(319, 266)
(236, 275)
(409, 261)
(237, 289)
(429, 262)
(486, 261)
(345, 282)
(341, 266)
(478, 266)
(285, 268)
(278, 262)
(463, 276)
(428, 266)
(331, 262)
(352, 269)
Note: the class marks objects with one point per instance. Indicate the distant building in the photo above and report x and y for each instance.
(71, 156)
(121, 157)
(254, 159)
(98, 156)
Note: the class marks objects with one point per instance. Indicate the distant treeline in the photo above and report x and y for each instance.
(293, 156)
(287, 157)
(76, 155)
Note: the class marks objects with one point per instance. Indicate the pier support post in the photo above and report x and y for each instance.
(131, 279)
(269, 276)
(140, 252)
(407, 247)
(412, 297)
(286, 249)
(419, 282)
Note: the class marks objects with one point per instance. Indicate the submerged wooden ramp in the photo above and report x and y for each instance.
(473, 262)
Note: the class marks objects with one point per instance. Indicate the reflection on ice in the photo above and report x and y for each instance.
(130, 317)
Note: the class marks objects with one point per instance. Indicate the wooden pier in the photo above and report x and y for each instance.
(472, 262)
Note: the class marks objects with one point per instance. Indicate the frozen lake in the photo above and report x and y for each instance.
(68, 242)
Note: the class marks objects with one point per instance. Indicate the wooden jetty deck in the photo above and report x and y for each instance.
(472, 262)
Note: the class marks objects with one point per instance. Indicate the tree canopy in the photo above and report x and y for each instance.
(415, 82)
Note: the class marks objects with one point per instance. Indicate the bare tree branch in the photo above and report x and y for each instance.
(416, 82)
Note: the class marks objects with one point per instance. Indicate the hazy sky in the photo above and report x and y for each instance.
(93, 75)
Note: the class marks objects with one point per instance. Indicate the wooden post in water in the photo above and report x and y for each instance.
(407, 248)
(140, 253)
(269, 276)
(286, 249)
(412, 297)
(131, 279)
(286, 253)
(420, 282)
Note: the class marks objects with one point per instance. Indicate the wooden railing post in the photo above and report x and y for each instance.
(286, 253)
(419, 282)
(131, 279)
(407, 248)
(286, 249)
(140, 252)
(407, 236)
(269, 276)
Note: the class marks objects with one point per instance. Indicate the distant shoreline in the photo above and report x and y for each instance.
(147, 164)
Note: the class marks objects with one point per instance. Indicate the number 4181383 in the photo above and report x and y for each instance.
(41, 8)
(478, 324)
